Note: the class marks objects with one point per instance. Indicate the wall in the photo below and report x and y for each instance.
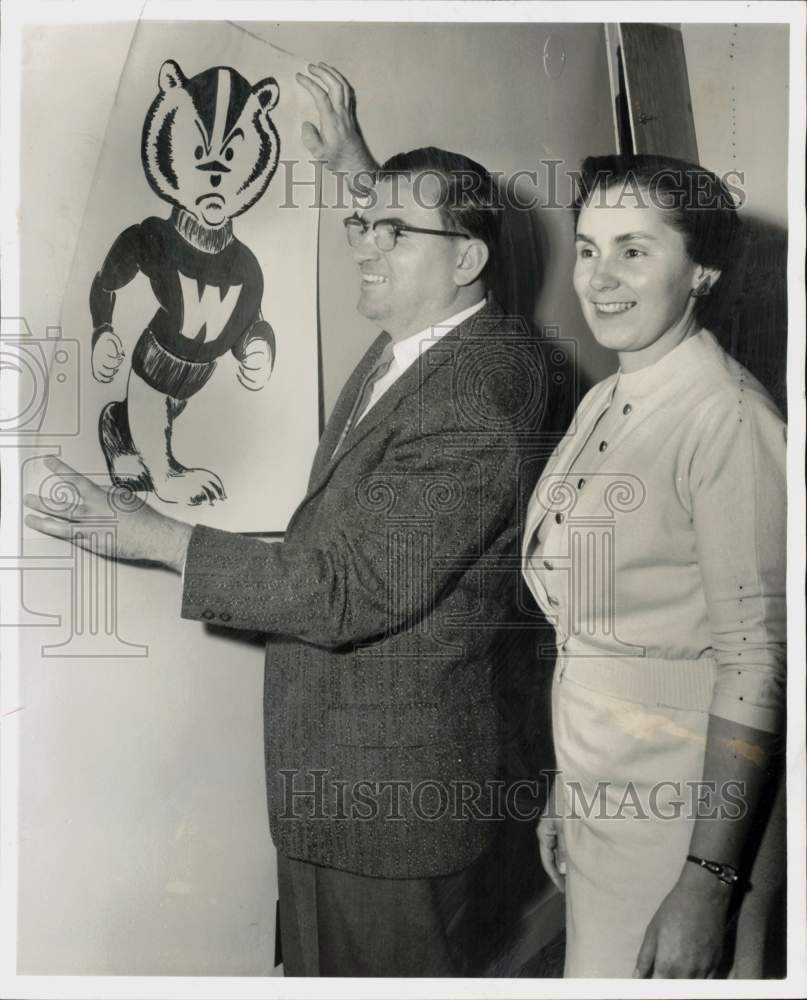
(738, 76)
(144, 846)
(482, 90)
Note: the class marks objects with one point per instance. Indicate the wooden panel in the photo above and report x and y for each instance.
(658, 90)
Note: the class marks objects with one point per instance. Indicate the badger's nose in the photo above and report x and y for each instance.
(215, 180)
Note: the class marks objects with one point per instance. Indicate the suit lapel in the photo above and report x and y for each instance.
(343, 408)
(408, 383)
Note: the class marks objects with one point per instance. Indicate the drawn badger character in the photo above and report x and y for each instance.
(210, 149)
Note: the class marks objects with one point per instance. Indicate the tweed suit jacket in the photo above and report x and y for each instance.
(392, 610)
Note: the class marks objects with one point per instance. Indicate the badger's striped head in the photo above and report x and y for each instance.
(209, 144)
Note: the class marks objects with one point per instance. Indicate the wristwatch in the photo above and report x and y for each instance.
(726, 873)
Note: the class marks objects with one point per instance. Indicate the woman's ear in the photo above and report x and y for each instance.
(471, 261)
(704, 281)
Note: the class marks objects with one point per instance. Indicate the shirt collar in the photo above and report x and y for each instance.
(407, 351)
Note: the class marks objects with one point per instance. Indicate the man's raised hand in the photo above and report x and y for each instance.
(338, 140)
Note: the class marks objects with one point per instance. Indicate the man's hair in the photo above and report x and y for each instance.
(468, 199)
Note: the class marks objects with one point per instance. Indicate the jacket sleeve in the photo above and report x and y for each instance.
(401, 535)
(739, 510)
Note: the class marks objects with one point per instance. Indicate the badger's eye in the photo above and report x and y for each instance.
(228, 153)
(198, 152)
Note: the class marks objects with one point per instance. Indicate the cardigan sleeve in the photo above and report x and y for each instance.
(738, 490)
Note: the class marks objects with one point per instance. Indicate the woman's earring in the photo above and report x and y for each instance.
(702, 290)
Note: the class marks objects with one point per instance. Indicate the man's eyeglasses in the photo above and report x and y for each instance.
(386, 233)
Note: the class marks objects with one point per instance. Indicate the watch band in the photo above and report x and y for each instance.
(726, 873)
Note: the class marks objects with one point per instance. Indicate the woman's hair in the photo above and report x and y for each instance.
(747, 309)
(697, 203)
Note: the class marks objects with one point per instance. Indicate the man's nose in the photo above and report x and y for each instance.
(366, 248)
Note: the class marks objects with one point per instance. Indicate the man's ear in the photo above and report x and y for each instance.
(471, 259)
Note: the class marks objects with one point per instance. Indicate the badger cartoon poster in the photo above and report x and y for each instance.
(168, 277)
(194, 283)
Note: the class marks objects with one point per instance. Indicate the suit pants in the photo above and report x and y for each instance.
(335, 923)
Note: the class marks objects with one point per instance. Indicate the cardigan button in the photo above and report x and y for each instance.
(603, 445)
(548, 564)
(558, 517)
(581, 483)
(208, 615)
(553, 601)
(627, 408)
(224, 616)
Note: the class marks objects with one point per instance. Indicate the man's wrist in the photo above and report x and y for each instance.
(176, 542)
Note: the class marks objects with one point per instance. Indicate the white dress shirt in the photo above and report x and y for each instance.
(406, 352)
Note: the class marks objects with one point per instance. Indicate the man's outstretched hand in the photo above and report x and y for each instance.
(141, 533)
(338, 140)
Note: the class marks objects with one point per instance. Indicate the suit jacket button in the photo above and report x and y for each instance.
(207, 614)
(224, 616)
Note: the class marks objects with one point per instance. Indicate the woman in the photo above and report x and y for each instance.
(655, 543)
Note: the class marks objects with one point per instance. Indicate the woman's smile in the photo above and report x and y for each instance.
(612, 308)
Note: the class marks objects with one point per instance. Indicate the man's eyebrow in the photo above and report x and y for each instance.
(394, 220)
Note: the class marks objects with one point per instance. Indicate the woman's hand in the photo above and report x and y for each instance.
(338, 140)
(684, 940)
(552, 849)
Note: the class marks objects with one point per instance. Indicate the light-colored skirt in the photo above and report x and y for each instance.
(629, 780)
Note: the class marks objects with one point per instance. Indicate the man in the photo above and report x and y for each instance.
(390, 607)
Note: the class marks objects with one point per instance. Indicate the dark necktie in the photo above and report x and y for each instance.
(377, 372)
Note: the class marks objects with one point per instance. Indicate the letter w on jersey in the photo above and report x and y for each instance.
(205, 316)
